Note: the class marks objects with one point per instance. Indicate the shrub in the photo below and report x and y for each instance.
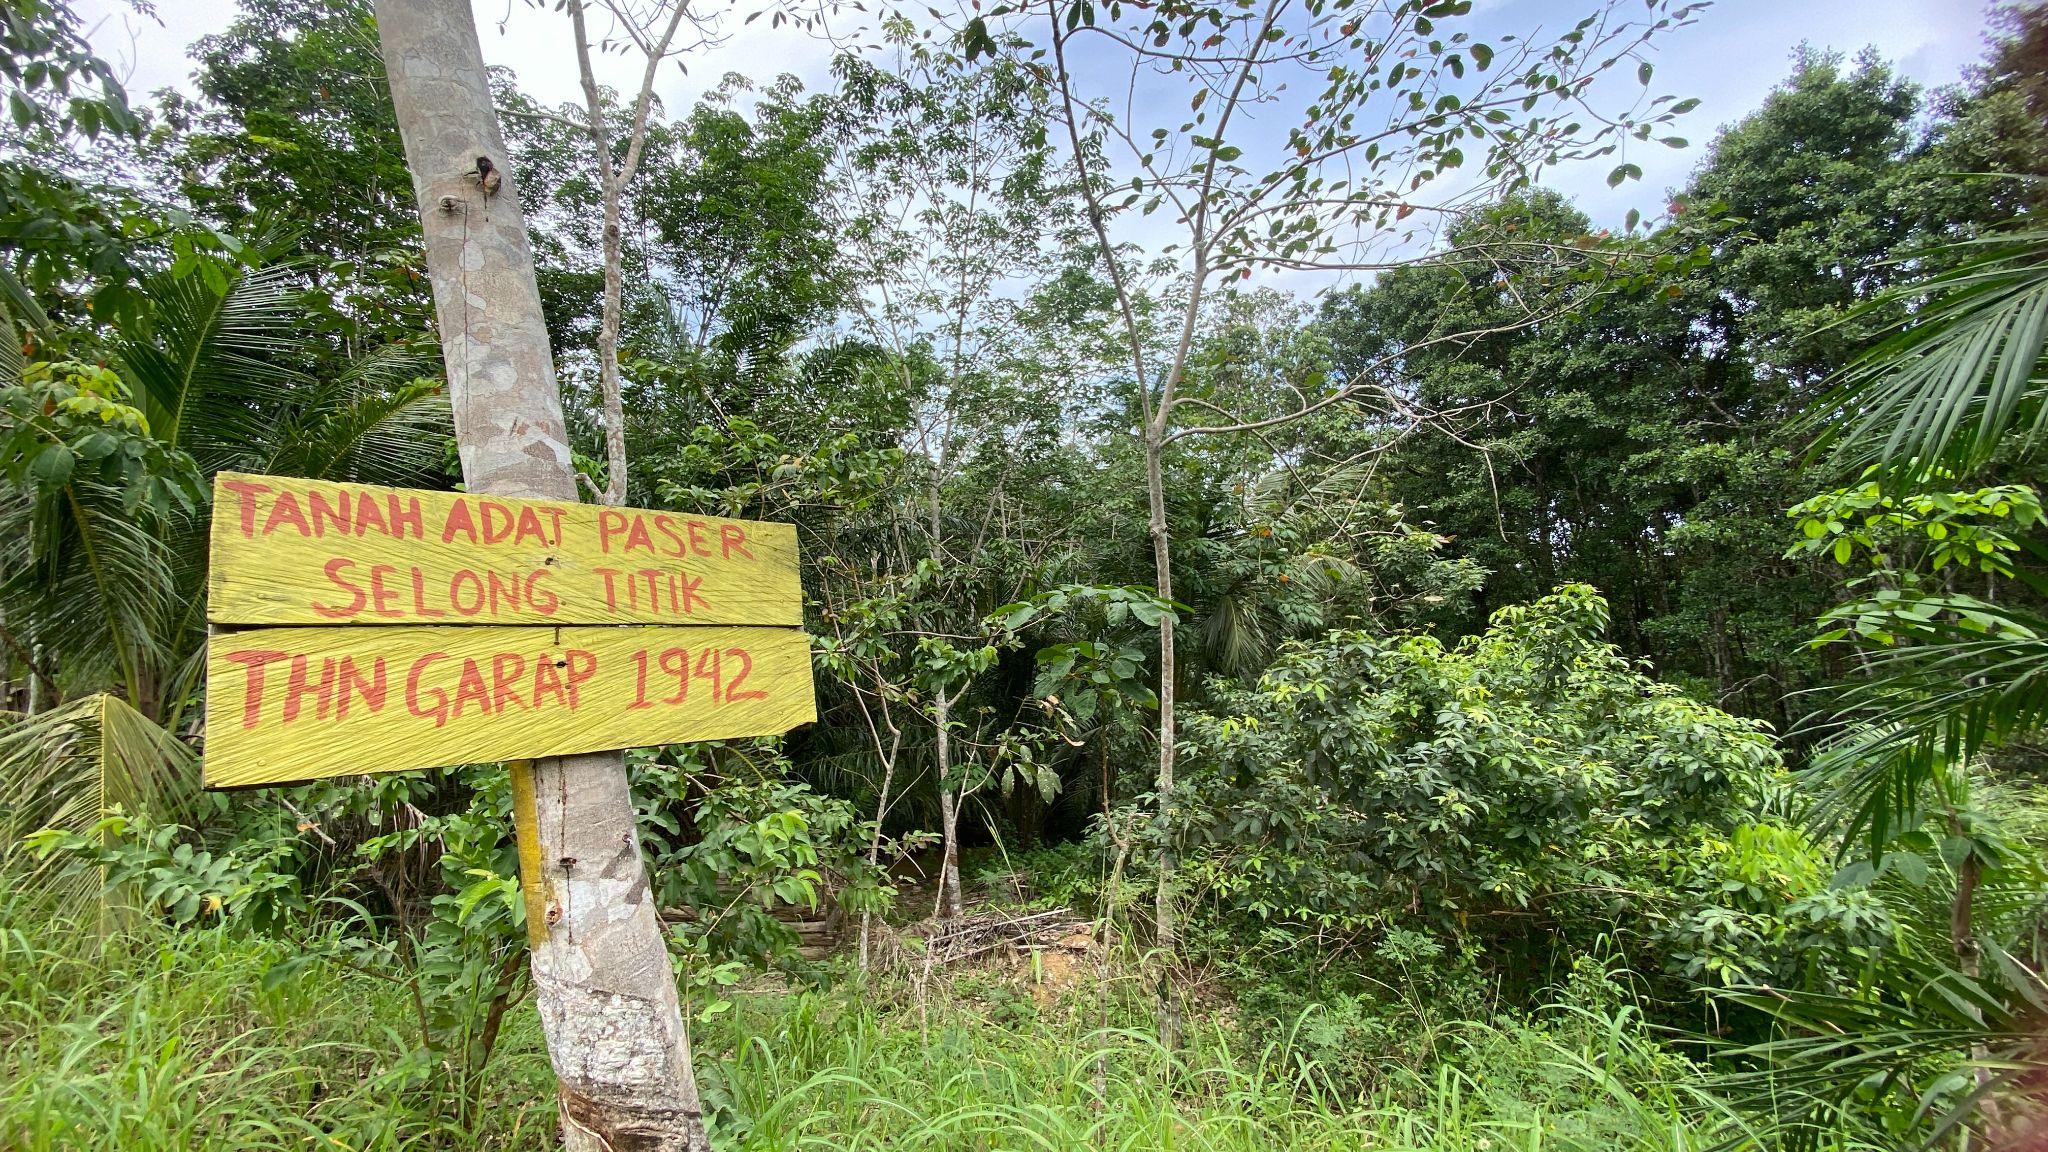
(1528, 786)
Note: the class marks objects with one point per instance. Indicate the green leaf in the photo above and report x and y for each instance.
(1015, 616)
(52, 465)
(1911, 866)
(1624, 172)
(976, 40)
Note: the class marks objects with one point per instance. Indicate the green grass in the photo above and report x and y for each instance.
(820, 1072)
(168, 1041)
(164, 1040)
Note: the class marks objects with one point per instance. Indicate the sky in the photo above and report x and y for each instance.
(1730, 60)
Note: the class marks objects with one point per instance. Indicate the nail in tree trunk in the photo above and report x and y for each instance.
(603, 982)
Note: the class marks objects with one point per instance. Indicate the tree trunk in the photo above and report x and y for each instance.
(1962, 934)
(612, 240)
(1165, 929)
(602, 977)
(875, 841)
(1103, 785)
(608, 357)
(1158, 418)
(949, 813)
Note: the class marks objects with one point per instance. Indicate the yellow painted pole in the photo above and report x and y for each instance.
(526, 826)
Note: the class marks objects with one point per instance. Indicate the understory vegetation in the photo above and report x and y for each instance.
(154, 1039)
(1318, 643)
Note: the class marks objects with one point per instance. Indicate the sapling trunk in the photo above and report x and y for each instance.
(867, 917)
(1165, 930)
(1969, 957)
(949, 812)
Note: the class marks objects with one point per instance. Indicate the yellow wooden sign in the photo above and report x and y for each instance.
(362, 629)
(291, 551)
(307, 703)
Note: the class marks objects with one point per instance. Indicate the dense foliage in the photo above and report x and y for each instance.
(1574, 684)
(1374, 779)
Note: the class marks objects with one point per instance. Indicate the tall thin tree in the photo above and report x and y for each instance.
(604, 985)
(652, 30)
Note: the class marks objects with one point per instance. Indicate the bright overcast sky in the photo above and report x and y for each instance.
(1730, 60)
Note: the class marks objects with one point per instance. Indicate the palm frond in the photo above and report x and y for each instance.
(68, 767)
(1943, 696)
(1907, 1038)
(1324, 573)
(1234, 636)
(17, 303)
(81, 578)
(213, 362)
(384, 420)
(1962, 376)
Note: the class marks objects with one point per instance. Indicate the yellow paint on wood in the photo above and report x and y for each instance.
(533, 879)
(289, 704)
(289, 551)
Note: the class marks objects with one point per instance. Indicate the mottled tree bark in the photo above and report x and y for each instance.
(950, 798)
(604, 986)
(1165, 926)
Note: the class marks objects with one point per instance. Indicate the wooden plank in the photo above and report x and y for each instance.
(289, 551)
(291, 704)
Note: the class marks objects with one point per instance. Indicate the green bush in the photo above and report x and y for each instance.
(1529, 788)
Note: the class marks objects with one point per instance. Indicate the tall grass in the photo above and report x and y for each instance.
(161, 1040)
(823, 1071)
(169, 1041)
